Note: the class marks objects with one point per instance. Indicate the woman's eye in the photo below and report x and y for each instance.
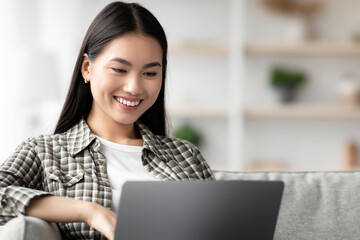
(119, 70)
(150, 74)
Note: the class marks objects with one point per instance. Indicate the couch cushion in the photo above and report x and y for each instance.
(315, 205)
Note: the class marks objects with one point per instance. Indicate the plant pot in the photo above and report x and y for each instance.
(286, 94)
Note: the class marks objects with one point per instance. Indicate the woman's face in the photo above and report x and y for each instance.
(125, 79)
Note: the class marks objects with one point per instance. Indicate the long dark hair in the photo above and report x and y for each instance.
(114, 20)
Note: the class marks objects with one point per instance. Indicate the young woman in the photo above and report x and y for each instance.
(112, 129)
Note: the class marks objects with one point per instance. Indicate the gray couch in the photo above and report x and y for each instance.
(315, 205)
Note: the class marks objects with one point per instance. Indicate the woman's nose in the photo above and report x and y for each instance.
(133, 85)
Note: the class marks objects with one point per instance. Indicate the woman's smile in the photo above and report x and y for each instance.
(129, 104)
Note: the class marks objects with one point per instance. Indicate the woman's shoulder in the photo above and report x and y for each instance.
(163, 142)
(180, 153)
(33, 149)
(176, 143)
(171, 147)
(45, 141)
(79, 132)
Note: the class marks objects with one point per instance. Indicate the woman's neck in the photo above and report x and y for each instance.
(108, 129)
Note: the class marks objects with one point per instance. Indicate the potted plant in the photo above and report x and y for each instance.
(287, 81)
(188, 133)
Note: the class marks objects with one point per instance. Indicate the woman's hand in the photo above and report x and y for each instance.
(102, 219)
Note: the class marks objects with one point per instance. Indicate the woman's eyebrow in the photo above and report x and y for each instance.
(153, 64)
(123, 61)
(120, 60)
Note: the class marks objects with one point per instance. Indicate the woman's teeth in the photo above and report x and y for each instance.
(127, 103)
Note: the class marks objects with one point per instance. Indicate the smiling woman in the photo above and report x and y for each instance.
(112, 129)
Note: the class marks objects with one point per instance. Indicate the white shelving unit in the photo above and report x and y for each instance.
(313, 133)
(303, 112)
(307, 114)
(308, 48)
(235, 112)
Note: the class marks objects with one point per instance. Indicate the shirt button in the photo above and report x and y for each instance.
(100, 162)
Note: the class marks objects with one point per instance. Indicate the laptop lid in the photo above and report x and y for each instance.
(198, 210)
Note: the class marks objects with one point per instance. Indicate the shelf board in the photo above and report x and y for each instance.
(303, 112)
(198, 112)
(304, 48)
(198, 49)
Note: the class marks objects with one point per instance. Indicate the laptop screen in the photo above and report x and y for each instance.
(193, 210)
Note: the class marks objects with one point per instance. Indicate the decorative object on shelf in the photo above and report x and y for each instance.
(188, 133)
(355, 37)
(300, 16)
(351, 155)
(287, 81)
(265, 165)
(349, 90)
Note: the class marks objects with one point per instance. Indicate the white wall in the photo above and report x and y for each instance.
(38, 45)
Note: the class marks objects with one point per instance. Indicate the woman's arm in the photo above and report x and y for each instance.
(20, 181)
(21, 178)
(60, 209)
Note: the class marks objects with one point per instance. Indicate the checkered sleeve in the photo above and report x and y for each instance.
(20, 181)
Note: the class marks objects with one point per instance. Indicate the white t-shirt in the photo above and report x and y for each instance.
(123, 164)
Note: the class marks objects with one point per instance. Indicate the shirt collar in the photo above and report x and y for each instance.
(80, 137)
(152, 142)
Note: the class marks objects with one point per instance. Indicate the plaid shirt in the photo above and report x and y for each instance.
(71, 165)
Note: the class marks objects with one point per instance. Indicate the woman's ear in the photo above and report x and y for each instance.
(85, 68)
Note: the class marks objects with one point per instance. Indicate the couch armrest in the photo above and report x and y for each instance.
(29, 228)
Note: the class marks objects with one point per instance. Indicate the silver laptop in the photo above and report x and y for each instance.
(198, 210)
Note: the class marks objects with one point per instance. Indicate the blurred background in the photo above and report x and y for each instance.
(256, 84)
